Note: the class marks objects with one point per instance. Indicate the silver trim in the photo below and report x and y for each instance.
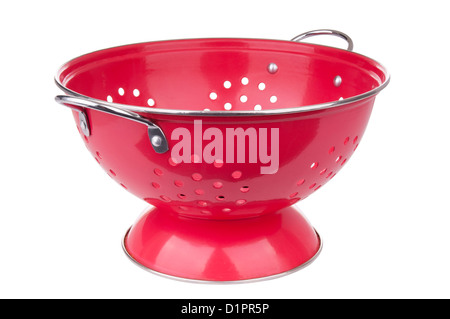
(281, 111)
(244, 281)
(335, 33)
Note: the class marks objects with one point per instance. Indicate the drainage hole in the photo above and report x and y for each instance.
(245, 189)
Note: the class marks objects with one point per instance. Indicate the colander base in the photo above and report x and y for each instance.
(222, 250)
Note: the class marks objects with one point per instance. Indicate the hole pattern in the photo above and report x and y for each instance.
(195, 199)
(121, 92)
(237, 86)
(316, 177)
(329, 171)
(213, 95)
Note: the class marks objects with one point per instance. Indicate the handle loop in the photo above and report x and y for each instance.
(335, 33)
(155, 134)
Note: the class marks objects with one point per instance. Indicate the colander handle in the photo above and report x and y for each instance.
(335, 33)
(155, 134)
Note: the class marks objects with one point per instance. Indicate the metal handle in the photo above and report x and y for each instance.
(335, 33)
(155, 134)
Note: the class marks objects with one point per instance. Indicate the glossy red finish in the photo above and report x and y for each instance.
(222, 250)
(312, 149)
(194, 75)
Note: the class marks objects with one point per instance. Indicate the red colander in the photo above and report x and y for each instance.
(222, 137)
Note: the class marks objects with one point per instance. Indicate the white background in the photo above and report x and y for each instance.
(384, 218)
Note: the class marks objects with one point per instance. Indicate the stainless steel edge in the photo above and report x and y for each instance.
(243, 281)
(335, 33)
(181, 112)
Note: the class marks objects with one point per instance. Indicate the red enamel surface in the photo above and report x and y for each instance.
(195, 232)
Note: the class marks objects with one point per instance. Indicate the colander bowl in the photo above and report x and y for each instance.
(222, 137)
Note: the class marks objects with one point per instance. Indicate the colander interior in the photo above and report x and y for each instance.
(221, 75)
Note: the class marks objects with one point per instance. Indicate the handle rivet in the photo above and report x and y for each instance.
(272, 68)
(337, 81)
(156, 141)
(84, 124)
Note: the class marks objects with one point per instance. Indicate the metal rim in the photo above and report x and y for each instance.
(243, 281)
(280, 111)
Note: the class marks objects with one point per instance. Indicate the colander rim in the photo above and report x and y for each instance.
(228, 113)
